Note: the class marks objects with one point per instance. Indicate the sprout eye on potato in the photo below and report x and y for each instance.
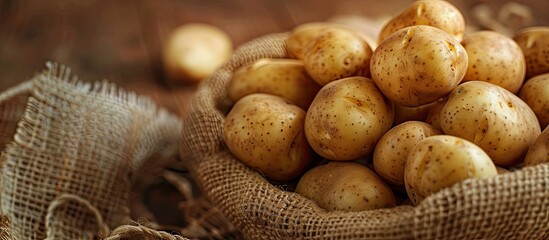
(286, 78)
(266, 133)
(440, 14)
(346, 119)
(392, 149)
(440, 161)
(494, 58)
(492, 118)
(534, 42)
(418, 65)
(345, 186)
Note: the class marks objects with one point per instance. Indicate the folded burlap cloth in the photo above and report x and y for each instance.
(68, 153)
(508, 206)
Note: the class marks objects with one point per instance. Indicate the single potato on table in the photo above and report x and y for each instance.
(535, 93)
(493, 118)
(539, 151)
(345, 186)
(266, 133)
(194, 51)
(418, 65)
(440, 14)
(286, 78)
(534, 42)
(347, 118)
(392, 149)
(494, 58)
(438, 162)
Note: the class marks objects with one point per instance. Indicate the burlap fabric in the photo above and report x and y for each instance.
(67, 171)
(509, 206)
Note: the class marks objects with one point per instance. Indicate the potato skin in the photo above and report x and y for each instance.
(440, 14)
(404, 114)
(346, 119)
(286, 78)
(337, 53)
(492, 118)
(535, 93)
(494, 58)
(418, 65)
(392, 149)
(266, 133)
(194, 51)
(534, 42)
(440, 161)
(539, 151)
(345, 186)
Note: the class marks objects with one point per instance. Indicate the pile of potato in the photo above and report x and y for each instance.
(360, 127)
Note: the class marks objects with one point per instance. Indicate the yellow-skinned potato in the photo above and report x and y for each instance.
(337, 53)
(535, 92)
(392, 149)
(302, 35)
(418, 65)
(404, 114)
(345, 186)
(266, 133)
(286, 78)
(494, 58)
(440, 161)
(433, 116)
(492, 118)
(534, 42)
(347, 118)
(539, 151)
(440, 14)
(502, 170)
(194, 51)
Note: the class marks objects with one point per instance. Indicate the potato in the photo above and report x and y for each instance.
(418, 65)
(539, 151)
(337, 53)
(345, 186)
(266, 133)
(492, 118)
(392, 149)
(534, 42)
(404, 114)
(194, 51)
(494, 58)
(501, 170)
(433, 116)
(535, 93)
(440, 161)
(346, 119)
(286, 78)
(440, 14)
(302, 35)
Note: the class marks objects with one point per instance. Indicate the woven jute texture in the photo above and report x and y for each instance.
(508, 206)
(66, 172)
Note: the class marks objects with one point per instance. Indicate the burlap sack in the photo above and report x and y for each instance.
(509, 206)
(66, 172)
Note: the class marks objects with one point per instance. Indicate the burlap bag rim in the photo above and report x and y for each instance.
(57, 91)
(513, 205)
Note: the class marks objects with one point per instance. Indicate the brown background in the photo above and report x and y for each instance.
(120, 40)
